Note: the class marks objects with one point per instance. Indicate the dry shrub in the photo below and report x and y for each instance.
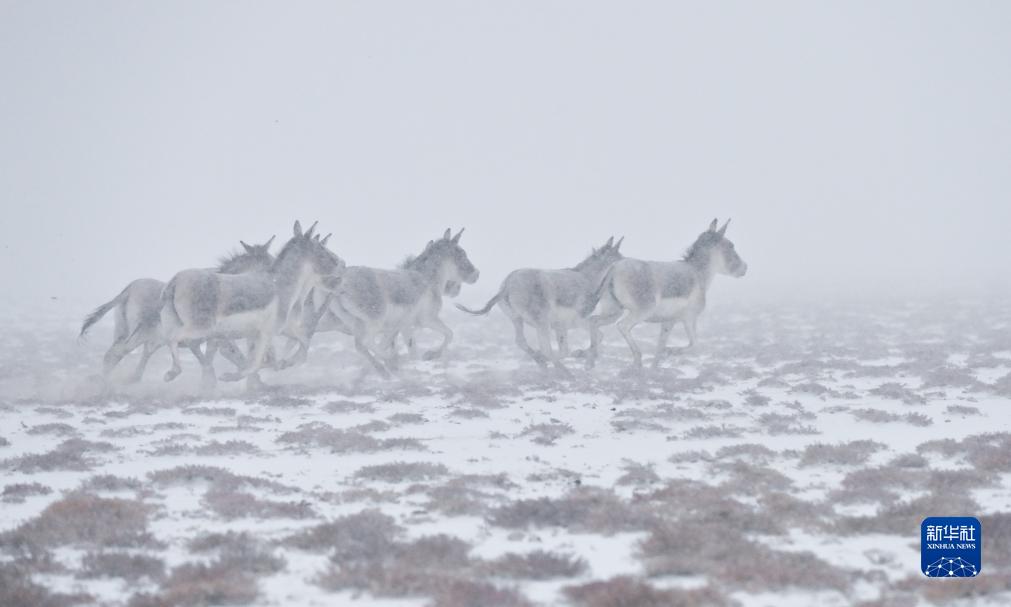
(111, 483)
(82, 519)
(627, 591)
(638, 474)
(367, 534)
(232, 504)
(435, 566)
(723, 553)
(131, 567)
(752, 452)
(18, 590)
(898, 392)
(547, 434)
(216, 478)
(779, 423)
(698, 503)
(202, 585)
(399, 472)
(16, 493)
(59, 429)
(72, 454)
(582, 509)
(468, 494)
(841, 454)
(714, 431)
(232, 447)
(536, 565)
(320, 434)
(240, 550)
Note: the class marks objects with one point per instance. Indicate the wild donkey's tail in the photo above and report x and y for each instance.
(594, 299)
(101, 311)
(487, 307)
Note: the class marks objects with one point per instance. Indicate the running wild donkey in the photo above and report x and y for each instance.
(549, 300)
(203, 304)
(138, 307)
(374, 303)
(663, 292)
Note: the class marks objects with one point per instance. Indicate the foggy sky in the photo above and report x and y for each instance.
(854, 144)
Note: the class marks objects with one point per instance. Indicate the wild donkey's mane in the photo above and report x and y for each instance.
(705, 240)
(234, 260)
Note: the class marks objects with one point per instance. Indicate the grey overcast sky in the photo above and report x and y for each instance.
(854, 144)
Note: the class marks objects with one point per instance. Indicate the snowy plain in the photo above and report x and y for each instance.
(787, 460)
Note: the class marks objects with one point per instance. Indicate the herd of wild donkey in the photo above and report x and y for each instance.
(306, 288)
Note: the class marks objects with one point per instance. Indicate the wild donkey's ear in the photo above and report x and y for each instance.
(308, 232)
(620, 240)
(610, 241)
(326, 239)
(297, 229)
(245, 246)
(456, 238)
(266, 245)
(723, 230)
(447, 234)
(712, 226)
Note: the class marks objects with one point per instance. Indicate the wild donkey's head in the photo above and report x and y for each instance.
(308, 251)
(713, 251)
(601, 259)
(447, 259)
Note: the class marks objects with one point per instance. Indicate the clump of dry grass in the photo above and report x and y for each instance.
(841, 454)
(407, 418)
(399, 472)
(199, 585)
(367, 534)
(548, 433)
(239, 504)
(780, 423)
(536, 565)
(962, 410)
(989, 452)
(714, 431)
(216, 478)
(4, 442)
(58, 428)
(721, 551)
(582, 509)
(320, 434)
(625, 591)
(897, 391)
(210, 411)
(18, 590)
(71, 454)
(240, 550)
(131, 567)
(878, 416)
(702, 504)
(232, 447)
(82, 519)
(435, 566)
(469, 494)
(18, 492)
(638, 474)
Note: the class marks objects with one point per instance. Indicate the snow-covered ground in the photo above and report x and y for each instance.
(787, 460)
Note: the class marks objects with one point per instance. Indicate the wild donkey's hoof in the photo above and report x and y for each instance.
(232, 376)
(431, 355)
(172, 374)
(579, 353)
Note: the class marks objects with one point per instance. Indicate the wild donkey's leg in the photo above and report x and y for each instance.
(544, 335)
(174, 372)
(521, 338)
(361, 338)
(138, 373)
(232, 353)
(625, 326)
(563, 342)
(596, 335)
(208, 378)
(690, 328)
(436, 324)
(661, 344)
